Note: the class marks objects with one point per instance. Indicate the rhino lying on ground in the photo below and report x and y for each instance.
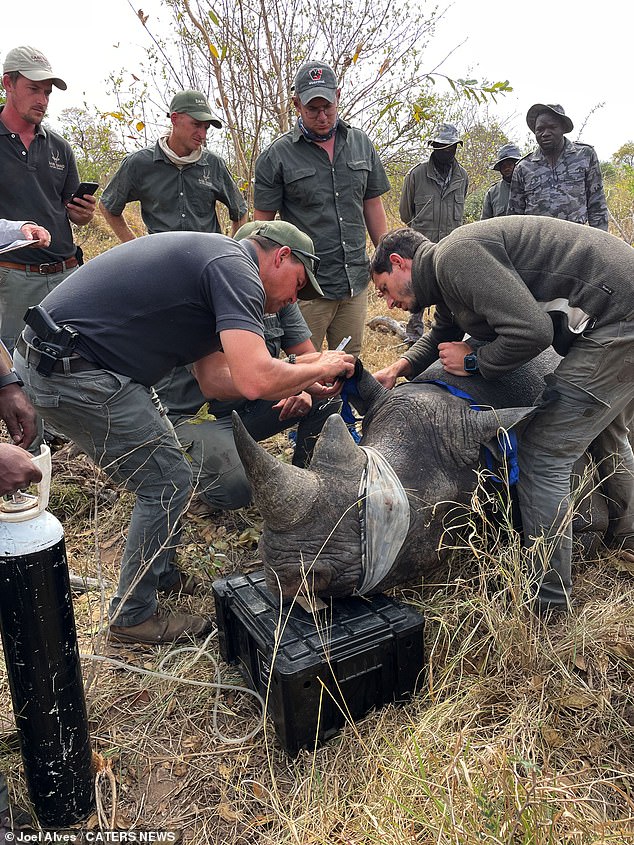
(314, 518)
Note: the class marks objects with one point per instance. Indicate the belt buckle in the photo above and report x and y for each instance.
(43, 268)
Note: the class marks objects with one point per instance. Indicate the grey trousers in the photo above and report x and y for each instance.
(19, 289)
(588, 404)
(219, 476)
(120, 425)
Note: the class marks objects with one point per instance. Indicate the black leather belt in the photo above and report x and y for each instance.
(74, 364)
(42, 269)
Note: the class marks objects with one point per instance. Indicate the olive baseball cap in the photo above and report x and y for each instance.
(315, 79)
(32, 64)
(195, 104)
(285, 234)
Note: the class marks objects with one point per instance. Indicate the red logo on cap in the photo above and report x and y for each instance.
(316, 74)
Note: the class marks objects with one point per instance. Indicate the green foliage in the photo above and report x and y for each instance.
(96, 147)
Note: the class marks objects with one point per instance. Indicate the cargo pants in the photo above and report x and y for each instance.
(588, 404)
(121, 426)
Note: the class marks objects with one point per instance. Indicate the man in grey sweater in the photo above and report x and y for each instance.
(521, 284)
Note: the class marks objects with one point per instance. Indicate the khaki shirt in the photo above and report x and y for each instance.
(325, 199)
(429, 207)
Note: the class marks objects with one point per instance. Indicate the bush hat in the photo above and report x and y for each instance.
(554, 109)
(33, 64)
(445, 134)
(285, 234)
(315, 79)
(506, 151)
(195, 104)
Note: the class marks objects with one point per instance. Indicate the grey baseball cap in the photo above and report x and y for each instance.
(555, 109)
(285, 234)
(506, 151)
(32, 64)
(445, 134)
(315, 79)
(195, 104)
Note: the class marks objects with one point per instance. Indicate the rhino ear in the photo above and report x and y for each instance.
(364, 390)
(336, 451)
(485, 425)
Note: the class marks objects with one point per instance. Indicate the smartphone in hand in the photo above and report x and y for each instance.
(84, 188)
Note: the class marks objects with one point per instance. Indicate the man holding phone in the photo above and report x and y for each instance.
(39, 177)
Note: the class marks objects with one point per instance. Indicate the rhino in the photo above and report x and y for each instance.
(315, 530)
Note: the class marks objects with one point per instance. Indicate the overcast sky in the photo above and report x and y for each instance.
(579, 55)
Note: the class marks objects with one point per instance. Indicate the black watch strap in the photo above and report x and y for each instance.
(10, 378)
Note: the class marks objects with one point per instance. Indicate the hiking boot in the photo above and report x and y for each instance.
(162, 628)
(185, 585)
(623, 548)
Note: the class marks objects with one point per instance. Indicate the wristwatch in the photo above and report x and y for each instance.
(292, 358)
(471, 363)
(10, 378)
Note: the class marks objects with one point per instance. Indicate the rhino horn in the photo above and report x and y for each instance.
(336, 451)
(284, 494)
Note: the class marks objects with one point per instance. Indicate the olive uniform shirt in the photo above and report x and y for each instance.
(571, 190)
(325, 199)
(496, 200)
(430, 204)
(174, 199)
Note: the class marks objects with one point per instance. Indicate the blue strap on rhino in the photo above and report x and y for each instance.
(507, 440)
(350, 388)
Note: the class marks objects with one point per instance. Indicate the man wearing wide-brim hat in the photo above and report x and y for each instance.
(561, 178)
(177, 180)
(497, 197)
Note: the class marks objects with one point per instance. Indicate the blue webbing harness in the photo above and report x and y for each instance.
(507, 440)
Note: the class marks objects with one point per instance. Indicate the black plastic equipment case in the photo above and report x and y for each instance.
(317, 672)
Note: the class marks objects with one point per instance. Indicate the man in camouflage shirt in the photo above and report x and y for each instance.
(561, 178)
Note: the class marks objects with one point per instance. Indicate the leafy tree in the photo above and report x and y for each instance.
(246, 54)
(96, 147)
(618, 176)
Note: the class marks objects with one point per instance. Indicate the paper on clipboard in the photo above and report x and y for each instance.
(15, 245)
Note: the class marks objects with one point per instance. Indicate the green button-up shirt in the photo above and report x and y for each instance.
(174, 199)
(325, 199)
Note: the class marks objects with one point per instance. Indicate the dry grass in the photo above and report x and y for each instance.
(521, 734)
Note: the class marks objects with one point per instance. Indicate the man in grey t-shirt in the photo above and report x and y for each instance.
(133, 324)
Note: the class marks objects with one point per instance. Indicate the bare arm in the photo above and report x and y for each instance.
(235, 224)
(256, 375)
(375, 219)
(118, 224)
(263, 215)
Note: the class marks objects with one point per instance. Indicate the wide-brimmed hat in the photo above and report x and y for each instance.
(505, 152)
(555, 109)
(33, 64)
(195, 104)
(445, 134)
(285, 234)
(315, 79)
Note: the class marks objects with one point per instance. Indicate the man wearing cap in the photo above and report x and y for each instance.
(497, 197)
(561, 178)
(177, 181)
(126, 324)
(326, 177)
(39, 175)
(434, 191)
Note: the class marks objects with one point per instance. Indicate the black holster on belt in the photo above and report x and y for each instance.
(53, 342)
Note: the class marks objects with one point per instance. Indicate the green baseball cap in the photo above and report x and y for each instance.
(285, 234)
(33, 64)
(195, 104)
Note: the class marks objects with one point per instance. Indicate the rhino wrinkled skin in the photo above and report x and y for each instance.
(312, 537)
